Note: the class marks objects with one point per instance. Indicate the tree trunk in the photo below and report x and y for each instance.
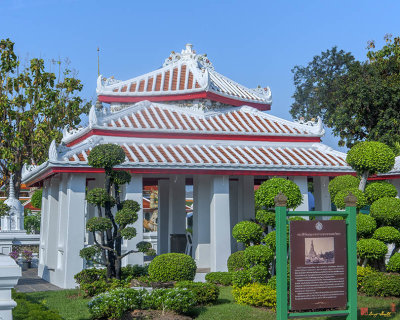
(363, 181)
(118, 268)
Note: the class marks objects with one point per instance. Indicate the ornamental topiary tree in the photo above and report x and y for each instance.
(376, 190)
(236, 261)
(341, 195)
(386, 212)
(340, 183)
(268, 190)
(388, 235)
(172, 267)
(108, 229)
(394, 263)
(371, 250)
(247, 232)
(366, 225)
(370, 157)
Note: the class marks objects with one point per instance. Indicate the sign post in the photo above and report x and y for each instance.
(324, 266)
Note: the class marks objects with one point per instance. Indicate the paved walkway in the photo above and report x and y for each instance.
(30, 282)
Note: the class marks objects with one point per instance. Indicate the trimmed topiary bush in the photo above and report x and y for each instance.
(113, 304)
(266, 218)
(241, 278)
(259, 273)
(365, 224)
(266, 193)
(255, 294)
(106, 156)
(381, 285)
(387, 235)
(221, 278)
(247, 232)
(272, 282)
(377, 190)
(340, 183)
(270, 240)
(36, 199)
(372, 156)
(361, 273)
(342, 194)
(205, 293)
(172, 267)
(258, 254)
(386, 212)
(90, 275)
(371, 249)
(394, 263)
(236, 261)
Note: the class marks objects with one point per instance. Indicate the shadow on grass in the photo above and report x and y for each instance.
(196, 311)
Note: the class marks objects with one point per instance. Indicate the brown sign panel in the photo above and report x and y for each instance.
(318, 270)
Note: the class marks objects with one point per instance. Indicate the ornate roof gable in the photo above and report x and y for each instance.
(184, 76)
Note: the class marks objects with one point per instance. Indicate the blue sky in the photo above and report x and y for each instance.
(252, 42)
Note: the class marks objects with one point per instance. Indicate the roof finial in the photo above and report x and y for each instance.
(12, 191)
(189, 48)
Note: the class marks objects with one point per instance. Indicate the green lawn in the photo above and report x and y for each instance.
(73, 307)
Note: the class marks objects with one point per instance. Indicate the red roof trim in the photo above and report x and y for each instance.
(187, 96)
(56, 170)
(197, 136)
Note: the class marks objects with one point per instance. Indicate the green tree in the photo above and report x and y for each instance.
(110, 228)
(35, 105)
(358, 100)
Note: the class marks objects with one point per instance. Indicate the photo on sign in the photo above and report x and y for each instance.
(319, 250)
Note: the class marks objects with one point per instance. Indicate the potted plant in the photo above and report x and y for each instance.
(26, 259)
(15, 255)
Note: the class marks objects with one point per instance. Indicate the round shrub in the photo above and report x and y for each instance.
(247, 232)
(221, 278)
(272, 282)
(99, 197)
(387, 235)
(341, 195)
(377, 190)
(270, 240)
(106, 156)
(268, 190)
(266, 218)
(236, 261)
(90, 275)
(371, 249)
(259, 273)
(365, 224)
(371, 156)
(113, 304)
(361, 273)
(258, 254)
(255, 294)
(36, 199)
(241, 278)
(340, 183)
(381, 285)
(205, 293)
(172, 267)
(394, 263)
(175, 299)
(386, 212)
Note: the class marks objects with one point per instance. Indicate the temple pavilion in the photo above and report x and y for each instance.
(183, 124)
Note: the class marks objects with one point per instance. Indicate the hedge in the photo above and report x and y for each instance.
(172, 267)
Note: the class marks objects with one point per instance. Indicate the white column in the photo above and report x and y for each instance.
(234, 209)
(396, 183)
(177, 206)
(301, 182)
(44, 230)
(62, 222)
(321, 194)
(201, 220)
(246, 188)
(134, 191)
(163, 212)
(75, 228)
(52, 234)
(219, 220)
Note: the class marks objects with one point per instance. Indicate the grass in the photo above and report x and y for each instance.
(71, 306)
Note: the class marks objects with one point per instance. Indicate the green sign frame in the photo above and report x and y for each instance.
(281, 214)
